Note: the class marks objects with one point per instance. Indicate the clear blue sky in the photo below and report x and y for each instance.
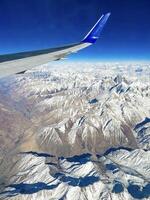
(37, 24)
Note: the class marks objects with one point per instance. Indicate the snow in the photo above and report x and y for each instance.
(89, 124)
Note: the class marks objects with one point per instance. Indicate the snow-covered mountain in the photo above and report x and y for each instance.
(76, 132)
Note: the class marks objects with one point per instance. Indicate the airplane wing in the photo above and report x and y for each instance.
(20, 62)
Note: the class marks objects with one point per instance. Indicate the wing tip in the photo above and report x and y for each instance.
(95, 32)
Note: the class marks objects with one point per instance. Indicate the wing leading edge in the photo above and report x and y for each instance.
(19, 62)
